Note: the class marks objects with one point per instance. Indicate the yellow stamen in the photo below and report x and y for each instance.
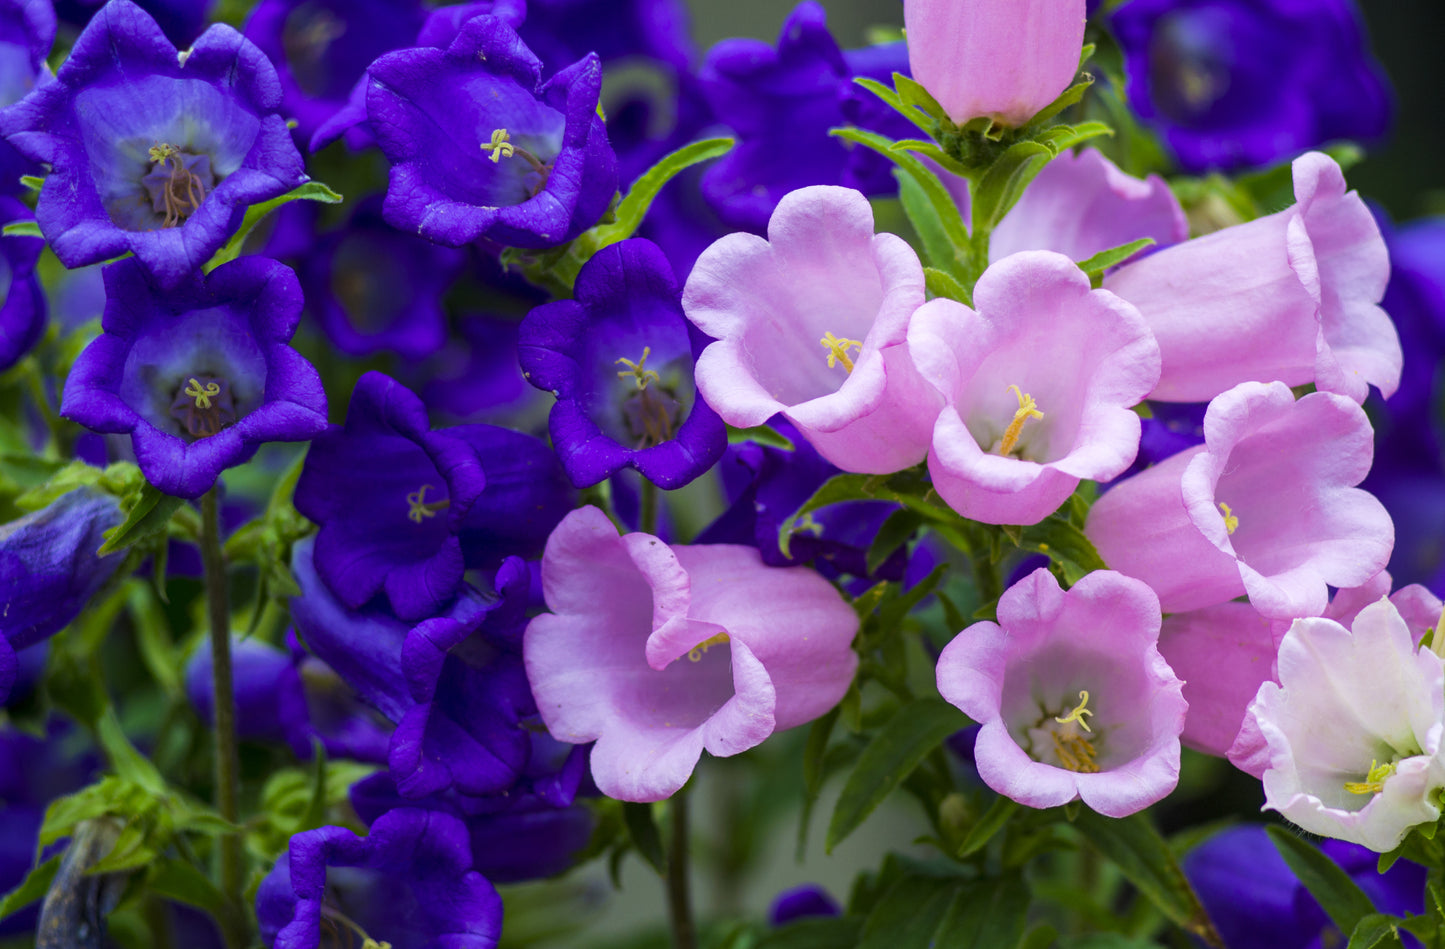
(160, 152)
(1078, 713)
(1076, 753)
(838, 350)
(1027, 409)
(202, 394)
(500, 146)
(638, 371)
(1374, 781)
(697, 651)
(419, 509)
(1231, 521)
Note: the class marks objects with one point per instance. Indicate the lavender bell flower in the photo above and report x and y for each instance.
(781, 103)
(618, 357)
(199, 376)
(49, 570)
(1074, 698)
(27, 31)
(22, 300)
(1241, 83)
(412, 883)
(658, 652)
(151, 151)
(533, 168)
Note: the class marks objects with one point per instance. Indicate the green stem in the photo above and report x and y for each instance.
(228, 768)
(647, 517)
(679, 901)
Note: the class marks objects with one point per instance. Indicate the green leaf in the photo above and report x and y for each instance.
(1065, 544)
(33, 182)
(893, 534)
(34, 887)
(815, 751)
(1105, 259)
(310, 191)
(986, 914)
(939, 250)
(1003, 184)
(937, 195)
(1375, 930)
(22, 229)
(184, 883)
(1327, 882)
(153, 636)
(813, 933)
(148, 515)
(911, 92)
(642, 828)
(762, 435)
(1068, 97)
(991, 823)
(910, 913)
(941, 284)
(914, 731)
(893, 99)
(1063, 137)
(839, 488)
(1143, 856)
(129, 764)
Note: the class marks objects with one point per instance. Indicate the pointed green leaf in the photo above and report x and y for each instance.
(1003, 184)
(937, 194)
(184, 883)
(912, 92)
(22, 229)
(1105, 259)
(128, 763)
(1070, 96)
(896, 102)
(148, 515)
(761, 435)
(1375, 930)
(1327, 882)
(910, 913)
(813, 933)
(939, 250)
(991, 823)
(914, 731)
(893, 534)
(33, 182)
(943, 285)
(33, 888)
(986, 914)
(310, 191)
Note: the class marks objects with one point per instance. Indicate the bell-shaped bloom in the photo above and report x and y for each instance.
(411, 881)
(27, 31)
(1004, 59)
(374, 289)
(618, 357)
(153, 152)
(22, 301)
(782, 102)
(1081, 204)
(1256, 902)
(481, 148)
(198, 376)
(658, 652)
(1244, 83)
(1351, 733)
(1225, 652)
(812, 323)
(1074, 699)
(562, 31)
(1038, 380)
(49, 570)
(321, 49)
(1266, 507)
(1293, 297)
(801, 902)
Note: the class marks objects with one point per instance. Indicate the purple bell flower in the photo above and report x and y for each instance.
(1243, 83)
(800, 902)
(153, 151)
(375, 289)
(321, 48)
(412, 883)
(27, 31)
(182, 20)
(200, 376)
(1256, 902)
(619, 359)
(562, 31)
(22, 302)
(781, 103)
(481, 148)
(49, 571)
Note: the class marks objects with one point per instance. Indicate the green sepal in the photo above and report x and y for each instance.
(120, 479)
(1004, 182)
(944, 285)
(948, 217)
(925, 122)
(310, 191)
(33, 182)
(22, 229)
(149, 514)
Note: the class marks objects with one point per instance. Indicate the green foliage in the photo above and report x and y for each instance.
(310, 191)
(1342, 899)
(149, 513)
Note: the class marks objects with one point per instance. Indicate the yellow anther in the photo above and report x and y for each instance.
(203, 394)
(160, 152)
(1080, 710)
(1374, 781)
(638, 371)
(838, 350)
(1231, 520)
(1027, 409)
(418, 508)
(500, 146)
(1076, 753)
(697, 651)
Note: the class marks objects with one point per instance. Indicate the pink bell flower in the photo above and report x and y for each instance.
(658, 652)
(1006, 59)
(1225, 652)
(812, 323)
(1038, 382)
(1351, 733)
(1265, 507)
(1074, 699)
(1292, 297)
